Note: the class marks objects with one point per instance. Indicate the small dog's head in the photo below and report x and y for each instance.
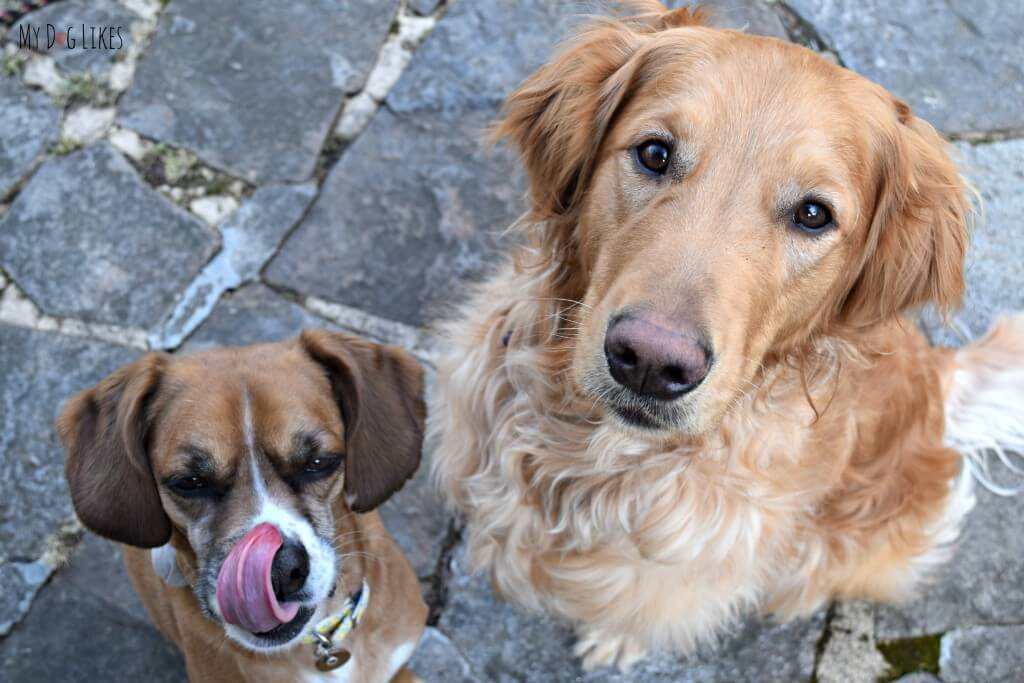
(247, 456)
(715, 200)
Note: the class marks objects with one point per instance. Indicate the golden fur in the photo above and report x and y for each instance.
(811, 461)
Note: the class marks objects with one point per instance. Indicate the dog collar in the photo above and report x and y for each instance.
(326, 638)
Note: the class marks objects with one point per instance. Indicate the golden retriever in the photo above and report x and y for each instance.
(693, 393)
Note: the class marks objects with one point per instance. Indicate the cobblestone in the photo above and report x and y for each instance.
(331, 158)
(85, 237)
(28, 126)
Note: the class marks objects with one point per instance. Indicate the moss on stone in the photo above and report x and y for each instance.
(64, 146)
(84, 88)
(909, 655)
(219, 185)
(329, 154)
(10, 65)
(177, 163)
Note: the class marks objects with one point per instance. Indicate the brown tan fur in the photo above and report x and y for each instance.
(391, 620)
(130, 435)
(810, 463)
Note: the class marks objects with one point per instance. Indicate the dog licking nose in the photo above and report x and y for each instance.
(652, 360)
(245, 585)
(289, 570)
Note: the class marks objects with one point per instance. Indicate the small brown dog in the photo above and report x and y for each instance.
(254, 473)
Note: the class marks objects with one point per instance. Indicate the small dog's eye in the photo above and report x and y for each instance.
(191, 486)
(654, 156)
(812, 216)
(320, 466)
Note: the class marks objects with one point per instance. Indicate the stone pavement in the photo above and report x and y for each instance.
(234, 172)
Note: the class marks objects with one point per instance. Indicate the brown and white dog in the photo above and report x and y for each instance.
(693, 392)
(255, 472)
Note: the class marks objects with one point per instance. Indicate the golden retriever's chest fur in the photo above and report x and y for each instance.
(572, 515)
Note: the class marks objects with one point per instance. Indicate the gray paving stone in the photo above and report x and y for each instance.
(850, 654)
(983, 653)
(423, 7)
(479, 52)
(502, 644)
(399, 225)
(29, 124)
(918, 677)
(995, 284)
(21, 582)
(250, 236)
(995, 279)
(254, 92)
(39, 370)
(255, 313)
(417, 518)
(84, 49)
(980, 585)
(418, 201)
(88, 625)
(438, 661)
(749, 16)
(87, 238)
(958, 63)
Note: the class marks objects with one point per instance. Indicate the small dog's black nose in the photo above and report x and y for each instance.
(289, 570)
(654, 361)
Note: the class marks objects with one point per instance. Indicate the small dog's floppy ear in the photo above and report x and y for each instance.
(918, 238)
(104, 432)
(379, 390)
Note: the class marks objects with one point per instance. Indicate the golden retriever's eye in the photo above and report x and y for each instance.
(654, 156)
(812, 216)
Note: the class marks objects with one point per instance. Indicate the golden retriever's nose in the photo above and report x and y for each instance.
(655, 361)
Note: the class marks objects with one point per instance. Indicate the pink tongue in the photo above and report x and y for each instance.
(245, 594)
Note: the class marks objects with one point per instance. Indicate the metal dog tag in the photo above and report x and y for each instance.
(334, 658)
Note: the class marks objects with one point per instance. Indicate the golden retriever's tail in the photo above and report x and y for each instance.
(985, 406)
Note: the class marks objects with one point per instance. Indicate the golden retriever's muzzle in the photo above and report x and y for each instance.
(654, 361)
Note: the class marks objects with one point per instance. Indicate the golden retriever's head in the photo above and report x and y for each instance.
(718, 200)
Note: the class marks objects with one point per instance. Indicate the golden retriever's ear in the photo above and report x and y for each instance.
(917, 242)
(104, 432)
(379, 390)
(560, 114)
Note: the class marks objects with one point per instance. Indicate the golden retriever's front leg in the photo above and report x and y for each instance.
(602, 646)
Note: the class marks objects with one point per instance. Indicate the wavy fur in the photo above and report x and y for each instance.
(810, 463)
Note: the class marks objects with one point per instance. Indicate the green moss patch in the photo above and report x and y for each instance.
(83, 88)
(63, 147)
(909, 655)
(10, 65)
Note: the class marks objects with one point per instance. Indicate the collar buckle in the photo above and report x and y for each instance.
(322, 645)
(334, 629)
